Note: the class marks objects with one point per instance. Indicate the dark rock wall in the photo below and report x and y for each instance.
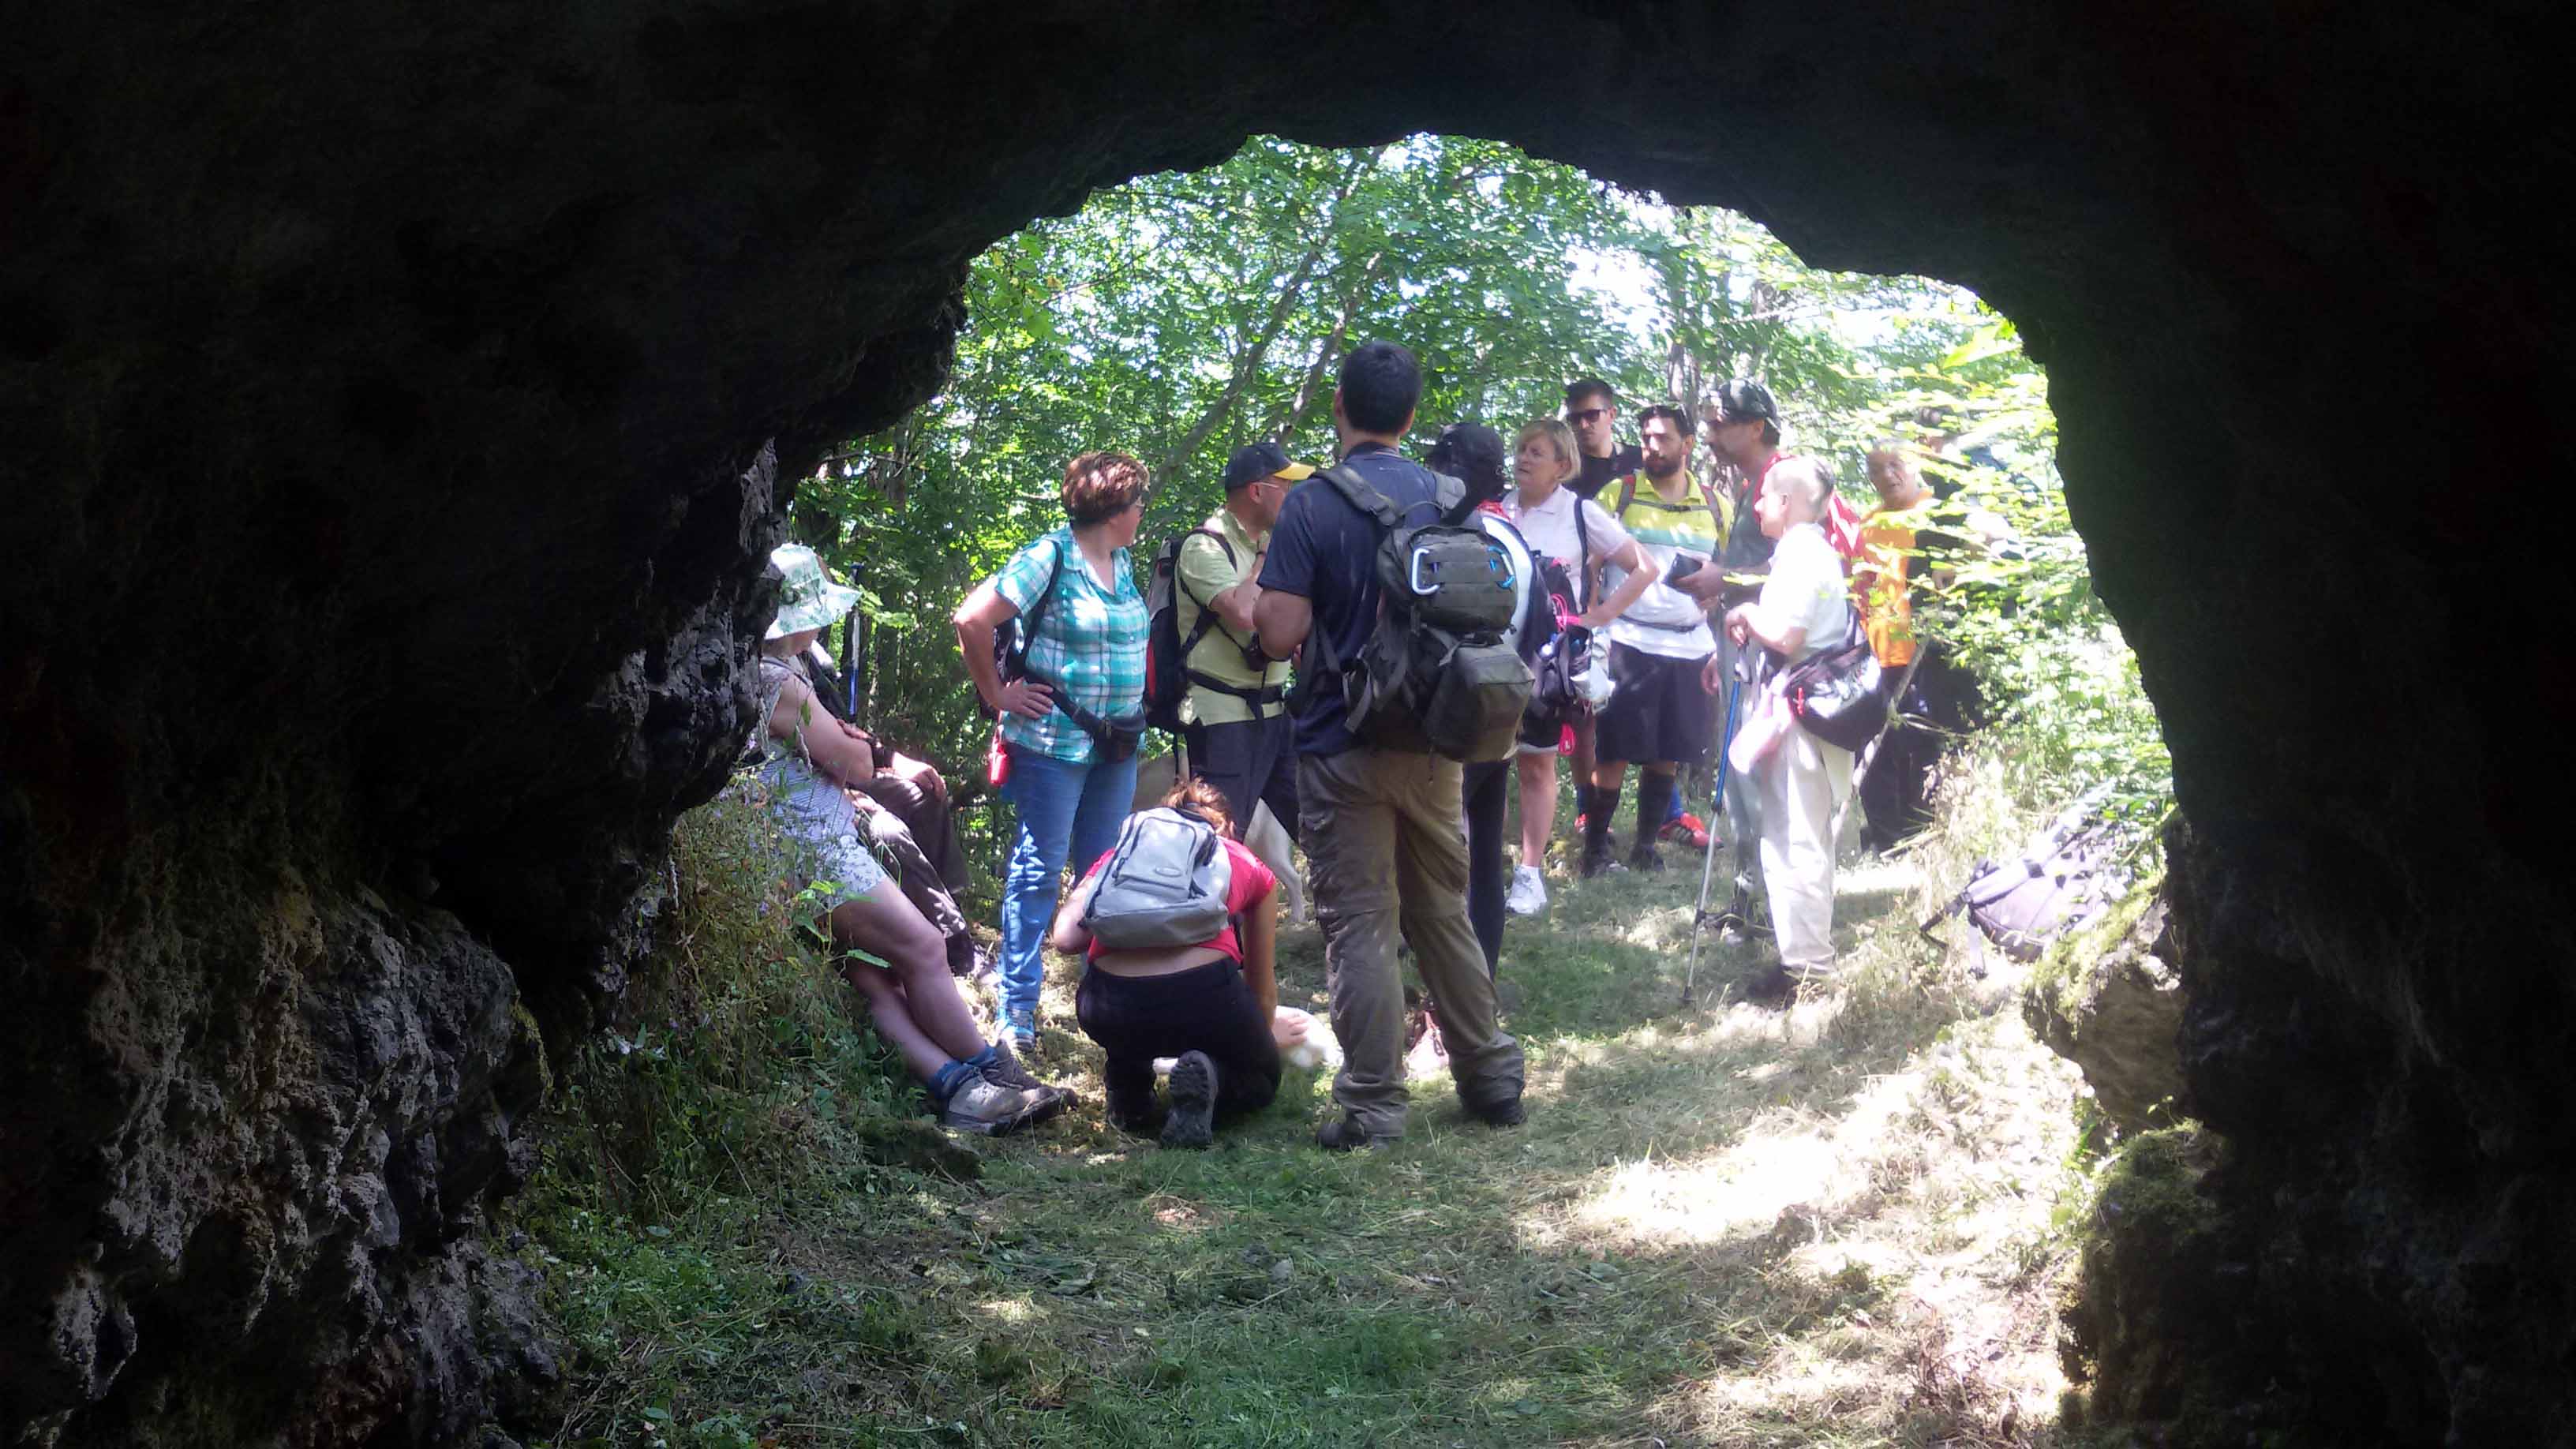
(379, 540)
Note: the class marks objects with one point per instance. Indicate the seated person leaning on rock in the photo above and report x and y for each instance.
(808, 761)
(904, 814)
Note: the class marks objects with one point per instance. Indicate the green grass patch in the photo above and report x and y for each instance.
(1721, 1224)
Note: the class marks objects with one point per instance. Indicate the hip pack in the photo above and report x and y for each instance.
(1439, 672)
(1165, 883)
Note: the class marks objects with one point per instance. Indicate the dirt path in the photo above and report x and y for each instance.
(1727, 1226)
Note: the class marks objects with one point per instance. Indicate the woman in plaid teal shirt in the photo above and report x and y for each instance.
(1088, 650)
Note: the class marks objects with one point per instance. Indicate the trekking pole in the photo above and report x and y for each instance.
(1708, 858)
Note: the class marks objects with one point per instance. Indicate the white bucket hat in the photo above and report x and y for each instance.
(808, 599)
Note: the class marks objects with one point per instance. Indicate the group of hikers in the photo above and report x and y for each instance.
(1452, 628)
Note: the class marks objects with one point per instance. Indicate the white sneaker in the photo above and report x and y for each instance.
(1528, 895)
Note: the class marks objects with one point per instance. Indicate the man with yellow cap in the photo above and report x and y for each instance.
(1235, 715)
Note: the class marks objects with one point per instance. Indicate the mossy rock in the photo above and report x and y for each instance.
(2151, 1291)
(2109, 999)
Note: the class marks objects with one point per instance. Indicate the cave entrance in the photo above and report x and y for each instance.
(1181, 314)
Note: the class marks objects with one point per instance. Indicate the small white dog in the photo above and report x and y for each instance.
(1262, 835)
(1306, 1042)
(1312, 1047)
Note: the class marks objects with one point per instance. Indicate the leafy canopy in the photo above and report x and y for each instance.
(1181, 315)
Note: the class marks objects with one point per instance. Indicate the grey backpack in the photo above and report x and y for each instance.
(1441, 670)
(1165, 883)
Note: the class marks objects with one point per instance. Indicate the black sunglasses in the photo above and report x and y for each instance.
(1585, 416)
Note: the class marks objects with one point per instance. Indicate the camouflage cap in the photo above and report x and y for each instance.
(808, 599)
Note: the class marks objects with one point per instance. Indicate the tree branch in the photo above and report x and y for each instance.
(1247, 364)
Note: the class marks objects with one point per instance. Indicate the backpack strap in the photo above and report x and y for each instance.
(1036, 612)
(1207, 613)
(1449, 495)
(1627, 495)
(1362, 495)
(1582, 565)
(1254, 695)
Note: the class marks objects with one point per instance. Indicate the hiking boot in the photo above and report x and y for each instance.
(1772, 986)
(1192, 1122)
(1598, 863)
(1528, 895)
(983, 1105)
(1140, 1114)
(1347, 1136)
(1022, 1024)
(1809, 973)
(1645, 860)
(1686, 829)
(1506, 1112)
(1005, 1068)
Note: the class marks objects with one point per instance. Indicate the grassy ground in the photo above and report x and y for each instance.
(1834, 1225)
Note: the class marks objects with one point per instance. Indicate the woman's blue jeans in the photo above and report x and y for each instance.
(1061, 806)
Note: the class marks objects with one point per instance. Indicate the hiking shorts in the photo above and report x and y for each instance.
(1658, 711)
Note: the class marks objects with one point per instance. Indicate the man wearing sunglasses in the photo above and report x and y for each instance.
(1592, 410)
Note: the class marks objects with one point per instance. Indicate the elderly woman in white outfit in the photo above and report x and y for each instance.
(1804, 607)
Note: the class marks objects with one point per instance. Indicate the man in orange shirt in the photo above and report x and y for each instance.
(1897, 541)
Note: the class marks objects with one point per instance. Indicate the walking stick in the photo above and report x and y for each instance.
(1708, 859)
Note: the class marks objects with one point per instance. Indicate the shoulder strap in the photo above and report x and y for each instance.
(1627, 495)
(1363, 496)
(1183, 542)
(1449, 496)
(1581, 567)
(1207, 613)
(1037, 610)
(1708, 495)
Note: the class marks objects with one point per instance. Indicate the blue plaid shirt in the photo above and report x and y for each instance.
(1090, 643)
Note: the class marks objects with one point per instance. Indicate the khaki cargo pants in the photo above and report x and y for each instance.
(1386, 851)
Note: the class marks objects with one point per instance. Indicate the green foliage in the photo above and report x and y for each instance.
(2067, 708)
(741, 1086)
(1181, 315)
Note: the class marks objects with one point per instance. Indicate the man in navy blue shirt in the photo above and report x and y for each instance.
(1386, 849)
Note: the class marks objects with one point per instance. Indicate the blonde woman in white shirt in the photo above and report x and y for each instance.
(1804, 607)
(1581, 535)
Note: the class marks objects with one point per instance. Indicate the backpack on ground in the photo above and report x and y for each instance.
(1168, 675)
(1165, 883)
(1441, 670)
(2064, 877)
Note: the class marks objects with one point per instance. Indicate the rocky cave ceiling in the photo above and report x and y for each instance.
(382, 392)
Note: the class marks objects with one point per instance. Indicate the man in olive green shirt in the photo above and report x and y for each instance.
(1235, 716)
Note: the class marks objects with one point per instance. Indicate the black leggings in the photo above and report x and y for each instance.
(1207, 1009)
(1486, 787)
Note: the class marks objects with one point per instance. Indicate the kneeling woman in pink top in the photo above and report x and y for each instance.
(1209, 1005)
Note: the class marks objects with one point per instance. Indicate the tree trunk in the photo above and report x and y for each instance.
(1324, 355)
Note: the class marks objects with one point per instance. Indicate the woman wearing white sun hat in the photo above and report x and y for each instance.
(808, 759)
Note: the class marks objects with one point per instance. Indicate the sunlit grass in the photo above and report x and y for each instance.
(1721, 1225)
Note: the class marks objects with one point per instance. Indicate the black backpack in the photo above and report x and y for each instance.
(1011, 644)
(1168, 676)
(1440, 671)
